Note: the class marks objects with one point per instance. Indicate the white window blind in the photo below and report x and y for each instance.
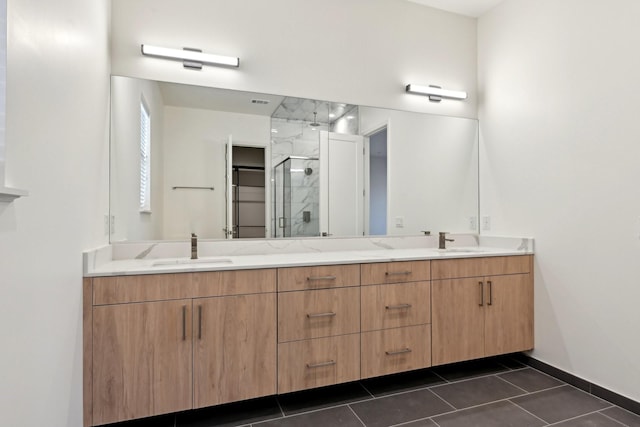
(145, 158)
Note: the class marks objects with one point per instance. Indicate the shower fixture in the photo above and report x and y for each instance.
(315, 122)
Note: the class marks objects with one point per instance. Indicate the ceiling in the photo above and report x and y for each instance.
(235, 101)
(473, 8)
(210, 98)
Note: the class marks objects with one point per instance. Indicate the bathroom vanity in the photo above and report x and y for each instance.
(167, 338)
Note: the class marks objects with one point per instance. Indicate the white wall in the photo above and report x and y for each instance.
(3, 86)
(559, 89)
(195, 156)
(57, 149)
(128, 222)
(432, 177)
(356, 51)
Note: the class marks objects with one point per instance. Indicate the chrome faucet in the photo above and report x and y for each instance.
(194, 246)
(442, 241)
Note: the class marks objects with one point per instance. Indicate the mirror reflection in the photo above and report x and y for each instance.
(230, 164)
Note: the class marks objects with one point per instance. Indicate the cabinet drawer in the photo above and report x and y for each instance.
(319, 277)
(395, 305)
(318, 362)
(313, 314)
(395, 272)
(478, 267)
(148, 287)
(396, 350)
(238, 282)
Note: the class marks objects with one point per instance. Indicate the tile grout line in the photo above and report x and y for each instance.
(611, 418)
(465, 379)
(365, 389)
(280, 407)
(356, 415)
(439, 376)
(578, 416)
(528, 412)
(512, 384)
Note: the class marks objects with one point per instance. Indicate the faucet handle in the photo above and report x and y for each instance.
(426, 232)
(193, 235)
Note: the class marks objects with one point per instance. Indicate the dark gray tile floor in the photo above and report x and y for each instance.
(492, 392)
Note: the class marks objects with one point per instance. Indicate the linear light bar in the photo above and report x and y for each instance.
(192, 58)
(436, 93)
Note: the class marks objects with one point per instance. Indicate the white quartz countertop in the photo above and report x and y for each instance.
(220, 262)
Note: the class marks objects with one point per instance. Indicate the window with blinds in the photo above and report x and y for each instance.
(145, 158)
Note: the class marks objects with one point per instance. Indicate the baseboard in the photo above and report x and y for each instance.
(582, 384)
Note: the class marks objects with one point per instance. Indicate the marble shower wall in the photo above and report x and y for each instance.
(305, 197)
(294, 138)
(297, 138)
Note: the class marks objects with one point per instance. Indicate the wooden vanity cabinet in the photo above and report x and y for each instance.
(396, 317)
(183, 341)
(163, 343)
(481, 307)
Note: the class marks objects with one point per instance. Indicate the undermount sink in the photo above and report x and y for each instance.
(188, 261)
(462, 250)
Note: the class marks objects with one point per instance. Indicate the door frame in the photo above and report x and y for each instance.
(267, 180)
(367, 133)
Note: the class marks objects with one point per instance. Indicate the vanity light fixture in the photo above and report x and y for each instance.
(191, 58)
(436, 93)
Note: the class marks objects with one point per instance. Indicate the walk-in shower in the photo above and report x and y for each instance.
(296, 193)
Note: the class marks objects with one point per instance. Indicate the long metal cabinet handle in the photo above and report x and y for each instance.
(481, 294)
(490, 292)
(199, 322)
(312, 278)
(327, 314)
(397, 306)
(184, 323)
(397, 273)
(393, 353)
(321, 364)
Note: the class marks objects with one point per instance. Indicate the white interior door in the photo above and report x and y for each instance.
(229, 225)
(341, 163)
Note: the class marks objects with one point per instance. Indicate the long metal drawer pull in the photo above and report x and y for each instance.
(321, 364)
(199, 322)
(397, 273)
(481, 294)
(403, 351)
(184, 323)
(327, 314)
(312, 278)
(490, 293)
(397, 307)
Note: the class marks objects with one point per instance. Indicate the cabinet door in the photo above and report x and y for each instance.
(234, 348)
(508, 314)
(141, 360)
(457, 321)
